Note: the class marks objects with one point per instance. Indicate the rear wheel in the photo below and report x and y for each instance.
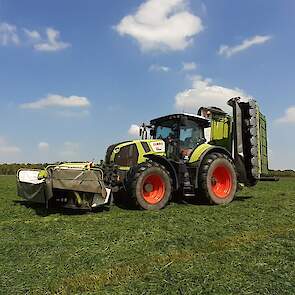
(218, 179)
(150, 186)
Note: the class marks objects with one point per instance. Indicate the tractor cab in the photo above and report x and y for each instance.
(182, 133)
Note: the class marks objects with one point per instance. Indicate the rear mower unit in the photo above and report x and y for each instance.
(204, 155)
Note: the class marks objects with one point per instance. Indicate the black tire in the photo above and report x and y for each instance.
(218, 179)
(150, 186)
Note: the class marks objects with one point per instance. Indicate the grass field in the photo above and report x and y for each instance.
(247, 247)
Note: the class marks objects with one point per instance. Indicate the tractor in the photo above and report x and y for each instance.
(207, 155)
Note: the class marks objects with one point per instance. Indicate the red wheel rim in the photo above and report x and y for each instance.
(221, 182)
(153, 189)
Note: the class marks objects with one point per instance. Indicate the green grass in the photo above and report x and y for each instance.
(247, 247)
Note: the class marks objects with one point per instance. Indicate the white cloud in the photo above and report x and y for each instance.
(188, 66)
(49, 42)
(161, 25)
(43, 146)
(247, 43)
(6, 149)
(205, 93)
(58, 101)
(159, 68)
(52, 43)
(134, 130)
(8, 34)
(32, 35)
(289, 116)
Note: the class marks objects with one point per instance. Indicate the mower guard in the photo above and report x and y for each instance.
(61, 178)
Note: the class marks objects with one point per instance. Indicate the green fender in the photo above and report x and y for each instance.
(197, 153)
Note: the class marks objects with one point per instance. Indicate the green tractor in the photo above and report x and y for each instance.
(206, 155)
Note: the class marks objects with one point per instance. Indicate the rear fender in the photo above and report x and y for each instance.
(212, 149)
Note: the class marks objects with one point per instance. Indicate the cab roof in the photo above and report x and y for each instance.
(202, 120)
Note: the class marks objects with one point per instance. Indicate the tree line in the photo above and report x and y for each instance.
(11, 169)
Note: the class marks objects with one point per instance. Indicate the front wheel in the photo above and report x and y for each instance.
(218, 179)
(151, 186)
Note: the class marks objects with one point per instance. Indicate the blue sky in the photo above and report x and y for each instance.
(76, 75)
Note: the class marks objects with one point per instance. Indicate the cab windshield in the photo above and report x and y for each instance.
(188, 134)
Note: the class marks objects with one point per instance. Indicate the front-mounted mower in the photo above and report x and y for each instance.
(205, 155)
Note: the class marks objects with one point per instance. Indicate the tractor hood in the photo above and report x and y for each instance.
(130, 153)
